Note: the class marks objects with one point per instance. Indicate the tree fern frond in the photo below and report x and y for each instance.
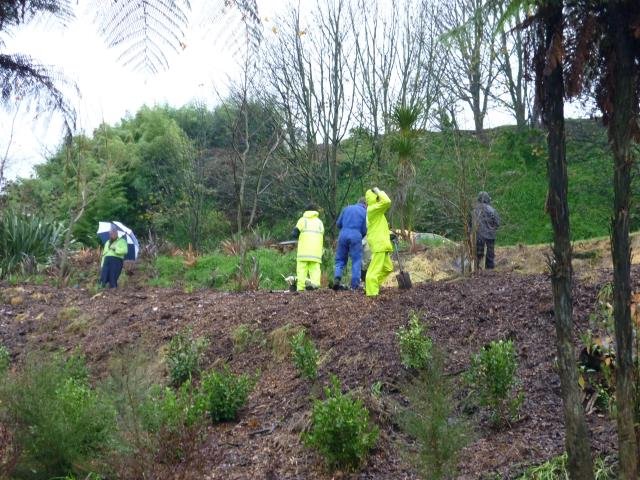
(131, 14)
(21, 77)
(16, 12)
(143, 56)
(241, 22)
(510, 9)
(144, 29)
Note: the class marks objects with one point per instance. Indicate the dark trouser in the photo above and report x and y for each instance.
(490, 260)
(111, 271)
(349, 245)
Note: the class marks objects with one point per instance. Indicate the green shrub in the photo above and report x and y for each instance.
(5, 359)
(556, 469)
(220, 271)
(157, 425)
(415, 346)
(185, 356)
(305, 355)
(248, 275)
(173, 420)
(340, 429)
(243, 336)
(60, 423)
(26, 241)
(225, 393)
(430, 420)
(280, 341)
(492, 377)
(171, 410)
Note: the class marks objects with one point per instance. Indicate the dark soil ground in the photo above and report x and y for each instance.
(356, 337)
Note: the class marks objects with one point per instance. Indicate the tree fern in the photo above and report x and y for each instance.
(144, 30)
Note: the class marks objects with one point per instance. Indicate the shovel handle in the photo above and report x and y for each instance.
(397, 252)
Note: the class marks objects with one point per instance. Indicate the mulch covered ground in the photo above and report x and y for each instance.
(356, 337)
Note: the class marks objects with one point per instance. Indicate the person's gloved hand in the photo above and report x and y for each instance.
(393, 237)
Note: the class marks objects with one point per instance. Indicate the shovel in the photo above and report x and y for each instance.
(403, 278)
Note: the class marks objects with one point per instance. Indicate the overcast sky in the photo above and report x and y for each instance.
(110, 90)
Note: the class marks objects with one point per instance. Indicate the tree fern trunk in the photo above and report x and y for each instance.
(551, 83)
(620, 131)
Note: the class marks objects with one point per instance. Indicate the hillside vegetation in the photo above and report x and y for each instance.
(511, 166)
(171, 173)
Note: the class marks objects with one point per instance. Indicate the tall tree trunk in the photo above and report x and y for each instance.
(620, 131)
(552, 90)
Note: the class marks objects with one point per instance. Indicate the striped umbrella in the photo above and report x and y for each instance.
(104, 229)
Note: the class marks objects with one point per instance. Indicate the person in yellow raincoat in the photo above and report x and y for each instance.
(378, 238)
(310, 234)
(112, 260)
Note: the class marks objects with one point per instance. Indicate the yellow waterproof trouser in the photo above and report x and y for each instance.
(379, 269)
(310, 269)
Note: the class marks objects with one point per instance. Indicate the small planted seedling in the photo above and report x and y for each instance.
(305, 355)
(225, 394)
(492, 378)
(184, 357)
(340, 429)
(415, 346)
(243, 336)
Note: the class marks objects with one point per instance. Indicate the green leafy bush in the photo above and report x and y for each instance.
(415, 346)
(5, 359)
(340, 429)
(492, 377)
(60, 423)
(26, 241)
(171, 410)
(173, 420)
(225, 394)
(305, 355)
(430, 420)
(185, 356)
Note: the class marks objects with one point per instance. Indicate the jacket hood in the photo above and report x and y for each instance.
(370, 197)
(311, 214)
(483, 197)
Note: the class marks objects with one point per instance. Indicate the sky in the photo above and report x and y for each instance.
(110, 90)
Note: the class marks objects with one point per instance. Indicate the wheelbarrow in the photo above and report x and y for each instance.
(403, 278)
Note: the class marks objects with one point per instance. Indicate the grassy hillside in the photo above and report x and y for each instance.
(511, 166)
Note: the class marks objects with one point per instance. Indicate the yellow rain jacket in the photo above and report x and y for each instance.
(311, 237)
(117, 248)
(377, 226)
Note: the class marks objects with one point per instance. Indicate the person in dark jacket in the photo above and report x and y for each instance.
(352, 223)
(485, 224)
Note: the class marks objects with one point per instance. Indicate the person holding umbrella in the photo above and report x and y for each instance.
(115, 249)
